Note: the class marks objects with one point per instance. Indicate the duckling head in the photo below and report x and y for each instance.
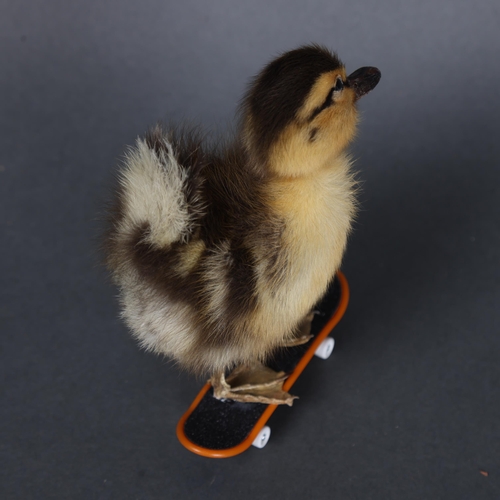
(300, 111)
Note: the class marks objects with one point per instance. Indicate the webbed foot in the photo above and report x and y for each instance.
(252, 384)
(302, 334)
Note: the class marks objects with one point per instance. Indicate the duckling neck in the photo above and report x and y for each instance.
(317, 197)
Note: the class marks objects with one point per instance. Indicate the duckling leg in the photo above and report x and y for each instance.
(257, 383)
(302, 334)
(254, 383)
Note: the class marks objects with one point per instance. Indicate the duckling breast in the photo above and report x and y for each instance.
(317, 212)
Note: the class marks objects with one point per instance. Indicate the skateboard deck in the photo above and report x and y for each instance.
(219, 429)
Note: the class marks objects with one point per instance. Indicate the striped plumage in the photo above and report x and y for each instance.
(219, 253)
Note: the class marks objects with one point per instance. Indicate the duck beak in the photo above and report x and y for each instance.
(363, 80)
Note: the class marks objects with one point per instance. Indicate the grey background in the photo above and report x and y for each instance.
(408, 406)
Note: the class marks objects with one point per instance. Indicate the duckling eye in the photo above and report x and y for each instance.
(339, 85)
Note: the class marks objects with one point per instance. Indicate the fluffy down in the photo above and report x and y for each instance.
(218, 264)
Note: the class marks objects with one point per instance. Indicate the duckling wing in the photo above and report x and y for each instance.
(158, 195)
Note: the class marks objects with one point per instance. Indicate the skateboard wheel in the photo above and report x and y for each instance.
(325, 349)
(262, 437)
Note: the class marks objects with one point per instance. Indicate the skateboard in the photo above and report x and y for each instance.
(219, 429)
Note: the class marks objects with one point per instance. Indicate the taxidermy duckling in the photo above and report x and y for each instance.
(221, 253)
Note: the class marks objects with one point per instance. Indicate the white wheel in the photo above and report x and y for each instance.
(325, 348)
(262, 437)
